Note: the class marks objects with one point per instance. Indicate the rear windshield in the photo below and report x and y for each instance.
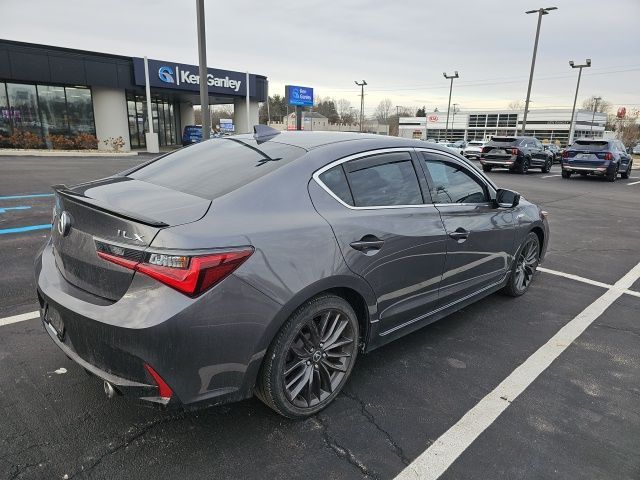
(475, 144)
(591, 145)
(216, 167)
(504, 141)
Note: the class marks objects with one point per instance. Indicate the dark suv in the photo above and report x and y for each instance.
(604, 158)
(518, 154)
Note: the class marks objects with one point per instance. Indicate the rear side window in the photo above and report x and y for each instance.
(384, 180)
(336, 181)
(216, 167)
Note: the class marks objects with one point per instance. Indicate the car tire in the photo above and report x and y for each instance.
(314, 351)
(626, 173)
(547, 165)
(524, 266)
(486, 168)
(611, 177)
(524, 166)
(566, 174)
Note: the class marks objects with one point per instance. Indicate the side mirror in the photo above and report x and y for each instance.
(507, 198)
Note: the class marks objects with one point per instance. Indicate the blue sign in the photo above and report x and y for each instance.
(180, 76)
(299, 96)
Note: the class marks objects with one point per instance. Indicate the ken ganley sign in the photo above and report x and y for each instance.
(180, 76)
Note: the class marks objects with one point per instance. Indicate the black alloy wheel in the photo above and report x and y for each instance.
(524, 266)
(611, 177)
(486, 168)
(566, 174)
(311, 358)
(627, 172)
(524, 166)
(547, 165)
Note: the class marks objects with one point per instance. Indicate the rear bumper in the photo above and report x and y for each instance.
(594, 170)
(208, 349)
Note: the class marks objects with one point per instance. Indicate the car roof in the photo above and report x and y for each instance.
(312, 140)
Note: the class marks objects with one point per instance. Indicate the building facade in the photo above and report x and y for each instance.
(51, 95)
(552, 125)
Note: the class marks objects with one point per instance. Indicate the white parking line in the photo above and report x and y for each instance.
(575, 277)
(632, 183)
(549, 176)
(19, 318)
(436, 459)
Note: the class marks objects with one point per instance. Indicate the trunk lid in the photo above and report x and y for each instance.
(119, 211)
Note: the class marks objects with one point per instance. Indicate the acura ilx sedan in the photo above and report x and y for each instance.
(267, 263)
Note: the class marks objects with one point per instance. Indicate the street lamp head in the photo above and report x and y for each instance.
(444, 74)
(456, 74)
(588, 62)
(571, 63)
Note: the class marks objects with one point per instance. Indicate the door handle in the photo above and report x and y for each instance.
(368, 242)
(459, 234)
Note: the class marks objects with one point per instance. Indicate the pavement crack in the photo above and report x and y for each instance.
(342, 451)
(143, 429)
(397, 449)
(620, 329)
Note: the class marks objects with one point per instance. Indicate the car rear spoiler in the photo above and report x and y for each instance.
(78, 197)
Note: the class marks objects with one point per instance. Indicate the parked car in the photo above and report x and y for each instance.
(454, 147)
(636, 149)
(604, 158)
(517, 154)
(555, 151)
(474, 149)
(267, 263)
(193, 134)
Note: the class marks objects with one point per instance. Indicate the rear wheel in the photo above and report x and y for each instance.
(566, 174)
(547, 165)
(486, 168)
(311, 358)
(611, 176)
(523, 167)
(524, 266)
(626, 173)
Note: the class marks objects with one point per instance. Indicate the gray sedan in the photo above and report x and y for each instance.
(267, 263)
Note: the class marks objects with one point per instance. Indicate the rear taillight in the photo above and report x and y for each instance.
(515, 151)
(608, 156)
(565, 154)
(485, 149)
(191, 275)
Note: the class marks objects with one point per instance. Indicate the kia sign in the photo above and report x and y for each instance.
(180, 76)
(622, 112)
(432, 118)
(299, 96)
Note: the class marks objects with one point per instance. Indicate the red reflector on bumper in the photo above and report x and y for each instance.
(164, 390)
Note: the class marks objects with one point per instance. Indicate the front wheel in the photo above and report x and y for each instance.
(311, 358)
(524, 266)
(547, 165)
(566, 174)
(486, 168)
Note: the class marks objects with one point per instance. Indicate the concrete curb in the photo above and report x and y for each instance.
(63, 153)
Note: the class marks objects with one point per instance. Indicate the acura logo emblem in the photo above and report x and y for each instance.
(64, 224)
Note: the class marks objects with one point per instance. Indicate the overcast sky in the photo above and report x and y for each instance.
(400, 48)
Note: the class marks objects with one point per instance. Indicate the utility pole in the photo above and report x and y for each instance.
(575, 98)
(448, 77)
(540, 12)
(595, 108)
(361, 85)
(204, 86)
(398, 117)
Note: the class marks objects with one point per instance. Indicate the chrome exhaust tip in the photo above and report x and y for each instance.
(109, 390)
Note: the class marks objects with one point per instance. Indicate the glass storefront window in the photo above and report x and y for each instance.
(23, 108)
(5, 119)
(80, 111)
(164, 121)
(53, 110)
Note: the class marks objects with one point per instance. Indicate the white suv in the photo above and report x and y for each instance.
(474, 149)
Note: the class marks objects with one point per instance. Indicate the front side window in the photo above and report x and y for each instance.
(384, 180)
(452, 183)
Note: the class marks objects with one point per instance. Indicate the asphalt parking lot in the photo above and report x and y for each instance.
(575, 412)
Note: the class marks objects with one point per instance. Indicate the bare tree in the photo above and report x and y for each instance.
(220, 111)
(516, 105)
(603, 105)
(383, 111)
(344, 111)
(628, 129)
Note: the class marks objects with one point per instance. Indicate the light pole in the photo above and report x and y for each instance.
(204, 86)
(398, 117)
(595, 108)
(361, 85)
(540, 12)
(453, 119)
(586, 64)
(448, 77)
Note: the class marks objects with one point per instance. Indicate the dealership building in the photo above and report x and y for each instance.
(552, 125)
(51, 92)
